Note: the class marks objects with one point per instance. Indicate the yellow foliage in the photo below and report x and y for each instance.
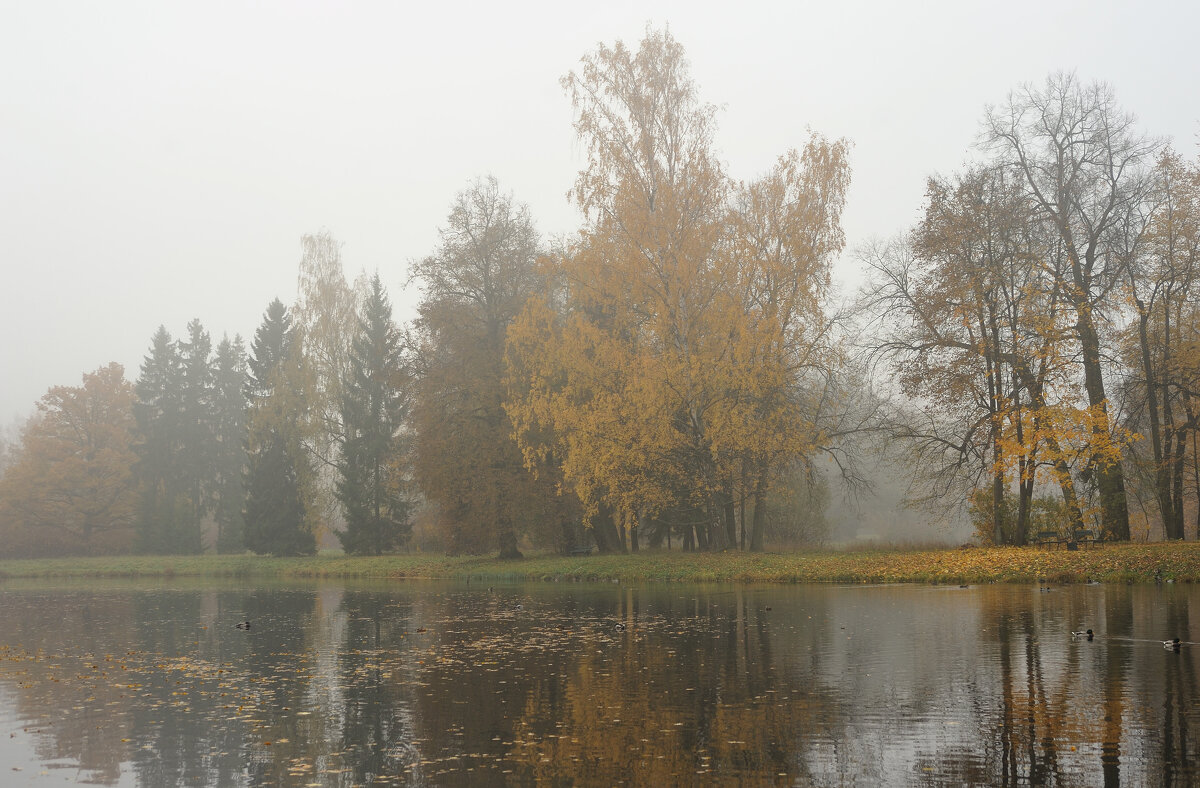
(681, 356)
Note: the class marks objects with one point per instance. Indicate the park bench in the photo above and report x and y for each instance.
(1084, 536)
(581, 549)
(1044, 538)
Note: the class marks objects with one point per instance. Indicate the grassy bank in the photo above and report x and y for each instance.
(1113, 563)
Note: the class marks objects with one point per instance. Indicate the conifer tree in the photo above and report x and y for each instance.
(373, 405)
(195, 464)
(229, 372)
(158, 411)
(275, 509)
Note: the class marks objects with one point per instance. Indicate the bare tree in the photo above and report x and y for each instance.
(1085, 169)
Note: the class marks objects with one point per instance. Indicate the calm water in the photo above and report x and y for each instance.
(434, 684)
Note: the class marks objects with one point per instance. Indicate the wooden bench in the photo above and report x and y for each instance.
(580, 550)
(1084, 536)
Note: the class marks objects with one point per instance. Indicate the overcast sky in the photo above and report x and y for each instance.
(159, 161)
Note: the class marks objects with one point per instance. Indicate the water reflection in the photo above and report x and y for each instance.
(595, 685)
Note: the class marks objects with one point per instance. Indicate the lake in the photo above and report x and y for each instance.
(415, 683)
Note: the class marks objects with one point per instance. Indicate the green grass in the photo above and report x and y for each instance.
(1111, 563)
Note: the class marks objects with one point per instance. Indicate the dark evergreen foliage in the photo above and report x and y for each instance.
(175, 416)
(274, 519)
(272, 343)
(229, 411)
(373, 408)
(275, 510)
(161, 523)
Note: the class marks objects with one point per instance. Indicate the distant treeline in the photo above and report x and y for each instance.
(677, 373)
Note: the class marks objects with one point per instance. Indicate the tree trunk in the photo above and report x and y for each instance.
(1024, 500)
(605, 532)
(1162, 482)
(1110, 478)
(1196, 470)
(990, 329)
(1025, 466)
(567, 535)
(1177, 489)
(702, 535)
(659, 531)
(1037, 403)
(1061, 469)
(1068, 490)
(508, 540)
(998, 511)
(714, 525)
(742, 516)
(760, 511)
(730, 521)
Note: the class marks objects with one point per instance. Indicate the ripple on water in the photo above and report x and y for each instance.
(435, 683)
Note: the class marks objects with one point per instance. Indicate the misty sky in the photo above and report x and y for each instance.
(159, 161)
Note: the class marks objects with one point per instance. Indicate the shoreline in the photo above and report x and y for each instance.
(1117, 563)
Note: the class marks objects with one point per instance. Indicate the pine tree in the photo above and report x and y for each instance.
(373, 406)
(275, 508)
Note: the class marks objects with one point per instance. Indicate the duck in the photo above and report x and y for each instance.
(620, 627)
(242, 625)
(1085, 634)
(1172, 644)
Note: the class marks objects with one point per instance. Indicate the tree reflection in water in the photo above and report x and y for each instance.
(439, 684)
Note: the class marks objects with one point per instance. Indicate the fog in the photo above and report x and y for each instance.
(159, 162)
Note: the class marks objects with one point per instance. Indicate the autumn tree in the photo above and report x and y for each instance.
(370, 487)
(983, 339)
(325, 322)
(1163, 270)
(71, 487)
(474, 285)
(667, 373)
(629, 407)
(785, 233)
(275, 515)
(1084, 168)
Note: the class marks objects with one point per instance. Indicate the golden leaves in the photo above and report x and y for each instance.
(692, 306)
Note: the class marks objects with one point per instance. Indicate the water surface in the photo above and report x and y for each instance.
(341, 684)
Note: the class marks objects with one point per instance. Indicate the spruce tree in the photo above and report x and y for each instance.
(174, 411)
(373, 406)
(275, 508)
(229, 411)
(158, 413)
(196, 464)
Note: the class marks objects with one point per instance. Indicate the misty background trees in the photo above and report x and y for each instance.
(679, 373)
(1016, 313)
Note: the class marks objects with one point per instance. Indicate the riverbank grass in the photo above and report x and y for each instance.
(1175, 562)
